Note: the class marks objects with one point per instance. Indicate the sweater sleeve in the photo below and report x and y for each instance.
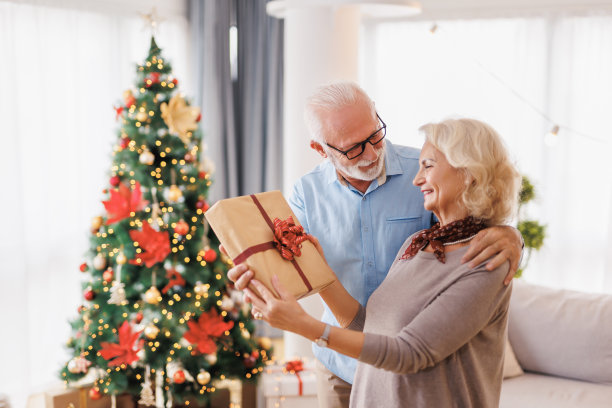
(446, 324)
(358, 321)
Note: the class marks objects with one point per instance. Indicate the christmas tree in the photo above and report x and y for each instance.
(160, 319)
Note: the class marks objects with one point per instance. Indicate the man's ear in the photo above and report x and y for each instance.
(316, 146)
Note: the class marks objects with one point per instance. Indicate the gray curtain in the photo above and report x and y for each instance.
(241, 116)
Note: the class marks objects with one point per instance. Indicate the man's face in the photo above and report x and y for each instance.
(347, 127)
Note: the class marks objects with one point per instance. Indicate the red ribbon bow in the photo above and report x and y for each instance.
(288, 238)
(295, 367)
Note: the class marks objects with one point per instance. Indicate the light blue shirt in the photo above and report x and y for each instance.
(360, 233)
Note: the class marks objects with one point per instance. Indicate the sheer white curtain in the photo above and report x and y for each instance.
(62, 70)
(504, 71)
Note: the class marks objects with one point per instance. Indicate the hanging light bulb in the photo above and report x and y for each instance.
(551, 139)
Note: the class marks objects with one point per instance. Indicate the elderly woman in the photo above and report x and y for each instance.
(432, 334)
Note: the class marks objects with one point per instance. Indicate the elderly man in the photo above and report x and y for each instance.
(361, 205)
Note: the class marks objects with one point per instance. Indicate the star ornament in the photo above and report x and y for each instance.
(125, 351)
(206, 330)
(123, 202)
(180, 117)
(155, 245)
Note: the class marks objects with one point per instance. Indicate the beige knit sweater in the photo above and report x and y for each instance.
(434, 335)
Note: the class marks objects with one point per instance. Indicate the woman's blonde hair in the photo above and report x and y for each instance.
(492, 181)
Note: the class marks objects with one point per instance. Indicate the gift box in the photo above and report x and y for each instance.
(262, 231)
(293, 384)
(79, 398)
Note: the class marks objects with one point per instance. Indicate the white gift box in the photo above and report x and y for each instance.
(281, 388)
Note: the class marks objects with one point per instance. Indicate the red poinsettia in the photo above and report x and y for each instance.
(209, 327)
(155, 245)
(174, 279)
(125, 351)
(123, 202)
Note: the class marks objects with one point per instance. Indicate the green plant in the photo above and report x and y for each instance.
(532, 231)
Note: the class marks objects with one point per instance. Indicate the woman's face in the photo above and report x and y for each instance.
(441, 185)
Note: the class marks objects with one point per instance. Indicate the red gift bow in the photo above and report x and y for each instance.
(295, 367)
(288, 238)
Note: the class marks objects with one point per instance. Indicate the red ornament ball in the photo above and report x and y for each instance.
(249, 362)
(108, 275)
(125, 142)
(89, 294)
(202, 205)
(210, 255)
(80, 309)
(179, 377)
(255, 354)
(114, 181)
(84, 267)
(138, 317)
(202, 174)
(175, 81)
(94, 393)
(182, 228)
(154, 77)
(199, 118)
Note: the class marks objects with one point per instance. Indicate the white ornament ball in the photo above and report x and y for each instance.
(72, 366)
(227, 303)
(211, 358)
(99, 262)
(147, 158)
(203, 377)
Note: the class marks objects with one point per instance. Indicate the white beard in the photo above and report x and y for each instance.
(355, 172)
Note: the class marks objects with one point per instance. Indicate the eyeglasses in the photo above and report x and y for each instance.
(359, 148)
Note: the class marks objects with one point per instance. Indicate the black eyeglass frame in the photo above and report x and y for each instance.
(383, 128)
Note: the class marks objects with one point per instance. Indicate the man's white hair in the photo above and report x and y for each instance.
(332, 97)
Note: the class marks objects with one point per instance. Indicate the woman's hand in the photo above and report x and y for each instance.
(284, 313)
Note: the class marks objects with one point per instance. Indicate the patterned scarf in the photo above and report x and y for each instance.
(455, 232)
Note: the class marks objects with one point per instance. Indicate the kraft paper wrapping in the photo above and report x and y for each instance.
(239, 225)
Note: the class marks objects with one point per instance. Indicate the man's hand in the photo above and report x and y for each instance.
(500, 242)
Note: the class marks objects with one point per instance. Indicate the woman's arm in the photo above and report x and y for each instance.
(287, 314)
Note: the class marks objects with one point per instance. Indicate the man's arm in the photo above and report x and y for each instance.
(500, 243)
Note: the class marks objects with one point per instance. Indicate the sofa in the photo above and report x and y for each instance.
(560, 349)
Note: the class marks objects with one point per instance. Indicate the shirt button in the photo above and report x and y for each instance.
(370, 264)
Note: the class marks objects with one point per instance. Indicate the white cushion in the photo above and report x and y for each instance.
(511, 366)
(561, 332)
(541, 391)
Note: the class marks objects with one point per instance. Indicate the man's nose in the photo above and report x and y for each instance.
(370, 152)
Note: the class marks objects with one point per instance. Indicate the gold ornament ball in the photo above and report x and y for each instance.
(96, 223)
(99, 262)
(142, 116)
(174, 194)
(152, 296)
(151, 331)
(265, 343)
(211, 358)
(121, 259)
(147, 157)
(203, 377)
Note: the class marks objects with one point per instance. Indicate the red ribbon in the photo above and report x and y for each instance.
(288, 239)
(295, 367)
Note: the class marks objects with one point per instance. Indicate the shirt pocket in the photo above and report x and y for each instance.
(397, 229)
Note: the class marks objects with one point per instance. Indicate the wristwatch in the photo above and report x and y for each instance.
(324, 339)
